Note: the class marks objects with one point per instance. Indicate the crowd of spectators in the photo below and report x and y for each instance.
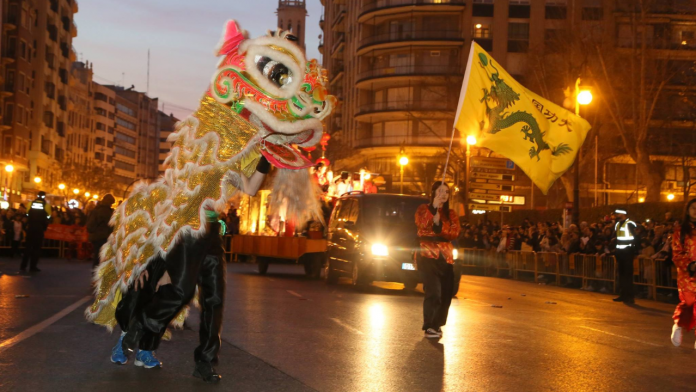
(592, 238)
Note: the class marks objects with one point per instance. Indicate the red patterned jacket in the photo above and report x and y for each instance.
(682, 255)
(449, 231)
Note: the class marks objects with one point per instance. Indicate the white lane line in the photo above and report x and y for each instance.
(346, 326)
(296, 294)
(31, 331)
(624, 337)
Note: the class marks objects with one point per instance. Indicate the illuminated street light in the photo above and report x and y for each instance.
(478, 25)
(95, 196)
(670, 197)
(403, 161)
(87, 194)
(61, 186)
(9, 168)
(641, 200)
(37, 180)
(471, 140)
(76, 191)
(584, 97)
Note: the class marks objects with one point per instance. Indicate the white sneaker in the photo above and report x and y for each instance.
(430, 333)
(677, 336)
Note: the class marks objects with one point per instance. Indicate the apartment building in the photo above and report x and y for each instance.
(80, 135)
(397, 68)
(136, 137)
(167, 126)
(104, 125)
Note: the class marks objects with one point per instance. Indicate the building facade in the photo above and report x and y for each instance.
(397, 68)
(104, 125)
(167, 123)
(80, 128)
(292, 15)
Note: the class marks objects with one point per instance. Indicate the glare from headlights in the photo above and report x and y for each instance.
(455, 254)
(380, 250)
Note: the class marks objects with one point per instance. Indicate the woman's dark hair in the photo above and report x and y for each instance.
(686, 223)
(433, 191)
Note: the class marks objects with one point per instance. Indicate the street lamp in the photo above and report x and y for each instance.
(37, 180)
(403, 161)
(61, 186)
(76, 191)
(670, 197)
(95, 196)
(582, 97)
(470, 141)
(87, 194)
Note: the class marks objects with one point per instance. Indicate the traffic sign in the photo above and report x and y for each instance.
(484, 196)
(490, 207)
(495, 187)
(492, 163)
(493, 176)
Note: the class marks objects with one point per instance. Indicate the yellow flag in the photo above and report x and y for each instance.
(541, 137)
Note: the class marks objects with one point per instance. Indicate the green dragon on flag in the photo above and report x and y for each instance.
(504, 97)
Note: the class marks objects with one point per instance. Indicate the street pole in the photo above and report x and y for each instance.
(466, 184)
(402, 179)
(596, 169)
(576, 185)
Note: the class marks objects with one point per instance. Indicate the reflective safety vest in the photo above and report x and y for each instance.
(624, 234)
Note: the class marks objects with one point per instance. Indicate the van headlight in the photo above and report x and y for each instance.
(380, 250)
(455, 254)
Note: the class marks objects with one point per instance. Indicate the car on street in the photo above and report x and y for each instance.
(373, 237)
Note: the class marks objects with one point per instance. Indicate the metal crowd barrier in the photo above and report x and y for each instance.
(650, 273)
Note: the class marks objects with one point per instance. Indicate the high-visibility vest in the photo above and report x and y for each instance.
(624, 234)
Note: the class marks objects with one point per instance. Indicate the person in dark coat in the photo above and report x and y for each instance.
(98, 225)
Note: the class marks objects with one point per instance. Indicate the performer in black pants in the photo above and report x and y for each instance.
(437, 227)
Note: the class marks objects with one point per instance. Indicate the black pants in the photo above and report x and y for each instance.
(438, 284)
(15, 248)
(189, 264)
(96, 246)
(32, 249)
(625, 264)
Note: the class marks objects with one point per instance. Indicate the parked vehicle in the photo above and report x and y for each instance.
(373, 237)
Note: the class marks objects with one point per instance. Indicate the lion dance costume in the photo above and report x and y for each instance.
(265, 100)
(684, 258)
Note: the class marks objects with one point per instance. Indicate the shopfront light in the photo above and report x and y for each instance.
(455, 254)
(380, 250)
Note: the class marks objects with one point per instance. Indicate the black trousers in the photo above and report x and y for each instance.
(96, 246)
(625, 267)
(190, 263)
(32, 250)
(438, 284)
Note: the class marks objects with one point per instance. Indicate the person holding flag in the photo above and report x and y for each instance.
(541, 137)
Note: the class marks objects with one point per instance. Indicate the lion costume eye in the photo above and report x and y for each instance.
(274, 71)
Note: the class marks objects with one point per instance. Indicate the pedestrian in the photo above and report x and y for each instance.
(626, 249)
(18, 234)
(438, 225)
(98, 225)
(684, 258)
(39, 212)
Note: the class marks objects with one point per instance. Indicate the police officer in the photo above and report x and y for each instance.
(38, 213)
(626, 250)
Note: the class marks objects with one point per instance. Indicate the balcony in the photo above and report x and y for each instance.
(405, 139)
(339, 22)
(397, 39)
(321, 47)
(403, 109)
(321, 22)
(409, 71)
(337, 50)
(380, 7)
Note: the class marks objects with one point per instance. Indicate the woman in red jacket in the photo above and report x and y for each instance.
(684, 258)
(437, 227)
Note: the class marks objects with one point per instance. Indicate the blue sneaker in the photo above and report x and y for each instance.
(147, 359)
(117, 355)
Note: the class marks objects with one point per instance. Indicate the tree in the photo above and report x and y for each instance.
(95, 179)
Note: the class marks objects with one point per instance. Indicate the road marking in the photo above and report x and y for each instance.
(298, 295)
(621, 336)
(42, 325)
(346, 326)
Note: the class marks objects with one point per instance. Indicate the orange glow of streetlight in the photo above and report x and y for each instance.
(37, 180)
(471, 140)
(95, 196)
(403, 161)
(76, 191)
(584, 97)
(87, 194)
(670, 197)
(9, 168)
(61, 186)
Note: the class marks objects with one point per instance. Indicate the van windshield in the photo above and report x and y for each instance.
(398, 212)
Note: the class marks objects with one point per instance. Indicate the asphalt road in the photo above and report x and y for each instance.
(283, 332)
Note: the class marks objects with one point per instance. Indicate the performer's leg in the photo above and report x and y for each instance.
(211, 285)
(432, 289)
(29, 244)
(446, 292)
(684, 313)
